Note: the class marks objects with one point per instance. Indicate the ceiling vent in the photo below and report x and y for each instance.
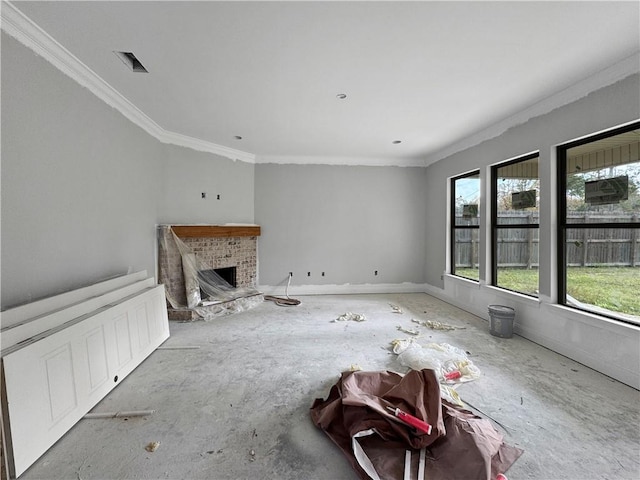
(130, 60)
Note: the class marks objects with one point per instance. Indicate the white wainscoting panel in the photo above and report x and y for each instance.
(53, 380)
(29, 327)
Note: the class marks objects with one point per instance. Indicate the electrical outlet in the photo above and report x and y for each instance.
(375, 273)
(308, 274)
(204, 194)
(323, 274)
(218, 197)
(291, 274)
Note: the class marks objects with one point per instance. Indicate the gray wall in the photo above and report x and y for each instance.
(83, 188)
(78, 183)
(344, 220)
(187, 174)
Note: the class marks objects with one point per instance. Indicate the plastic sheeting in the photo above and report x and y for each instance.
(206, 292)
(451, 364)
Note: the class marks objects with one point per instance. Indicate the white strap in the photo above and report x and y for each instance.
(421, 464)
(361, 457)
(367, 466)
(407, 465)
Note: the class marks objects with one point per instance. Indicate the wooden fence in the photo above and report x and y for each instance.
(518, 247)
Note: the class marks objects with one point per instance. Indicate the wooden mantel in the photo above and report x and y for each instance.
(202, 231)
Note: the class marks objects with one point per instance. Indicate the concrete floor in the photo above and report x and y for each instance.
(238, 407)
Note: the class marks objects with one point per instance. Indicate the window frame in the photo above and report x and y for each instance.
(563, 226)
(454, 226)
(495, 226)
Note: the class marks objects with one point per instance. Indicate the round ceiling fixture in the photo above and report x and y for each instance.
(341, 96)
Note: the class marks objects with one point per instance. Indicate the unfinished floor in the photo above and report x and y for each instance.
(238, 406)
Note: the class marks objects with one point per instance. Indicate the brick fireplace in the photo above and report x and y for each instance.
(216, 247)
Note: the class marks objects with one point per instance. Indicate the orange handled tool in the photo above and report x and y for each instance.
(411, 420)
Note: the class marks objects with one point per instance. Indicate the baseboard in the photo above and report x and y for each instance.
(345, 289)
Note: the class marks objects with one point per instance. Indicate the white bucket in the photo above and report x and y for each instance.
(501, 321)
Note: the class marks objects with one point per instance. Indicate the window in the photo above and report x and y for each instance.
(465, 228)
(515, 223)
(599, 220)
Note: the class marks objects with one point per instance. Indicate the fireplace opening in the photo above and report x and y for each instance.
(228, 274)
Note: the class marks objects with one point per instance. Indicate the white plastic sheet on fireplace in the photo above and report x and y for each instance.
(205, 291)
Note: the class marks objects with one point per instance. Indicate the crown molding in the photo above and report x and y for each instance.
(23, 29)
(204, 146)
(605, 77)
(340, 161)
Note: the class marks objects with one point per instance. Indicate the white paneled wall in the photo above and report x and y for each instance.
(55, 376)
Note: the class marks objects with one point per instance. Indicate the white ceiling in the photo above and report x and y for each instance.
(427, 73)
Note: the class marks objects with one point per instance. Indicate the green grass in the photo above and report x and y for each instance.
(614, 288)
(524, 281)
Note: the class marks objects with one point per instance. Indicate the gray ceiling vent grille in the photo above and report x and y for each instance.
(130, 60)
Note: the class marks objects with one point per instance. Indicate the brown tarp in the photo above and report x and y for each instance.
(461, 445)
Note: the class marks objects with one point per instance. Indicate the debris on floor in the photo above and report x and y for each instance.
(135, 413)
(400, 344)
(152, 446)
(395, 308)
(355, 367)
(180, 347)
(448, 393)
(451, 364)
(350, 316)
(435, 325)
(408, 331)
(356, 418)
